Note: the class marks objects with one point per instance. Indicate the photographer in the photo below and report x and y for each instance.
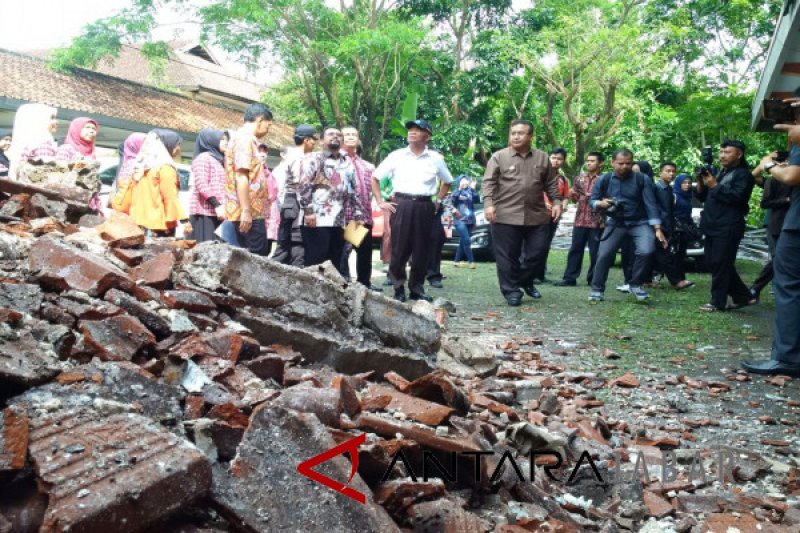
(785, 357)
(630, 205)
(725, 197)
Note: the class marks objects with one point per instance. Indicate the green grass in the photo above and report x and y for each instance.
(668, 326)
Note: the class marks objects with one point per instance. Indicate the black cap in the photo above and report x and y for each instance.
(420, 123)
(732, 143)
(305, 130)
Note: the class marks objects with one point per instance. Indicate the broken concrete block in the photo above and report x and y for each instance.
(471, 354)
(233, 346)
(380, 359)
(398, 326)
(25, 360)
(40, 206)
(13, 439)
(14, 247)
(268, 366)
(22, 297)
(118, 338)
(121, 231)
(325, 403)
(60, 266)
(156, 272)
(151, 319)
(114, 472)
(275, 443)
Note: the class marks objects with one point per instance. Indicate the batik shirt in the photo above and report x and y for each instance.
(364, 172)
(242, 154)
(327, 185)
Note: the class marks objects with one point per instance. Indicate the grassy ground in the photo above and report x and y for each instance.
(667, 327)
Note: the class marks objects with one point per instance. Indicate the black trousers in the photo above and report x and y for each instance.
(411, 233)
(668, 263)
(203, 227)
(766, 274)
(542, 269)
(323, 244)
(581, 238)
(289, 250)
(255, 240)
(519, 252)
(437, 240)
(363, 260)
(786, 333)
(720, 253)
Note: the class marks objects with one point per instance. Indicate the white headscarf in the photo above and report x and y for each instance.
(31, 128)
(153, 154)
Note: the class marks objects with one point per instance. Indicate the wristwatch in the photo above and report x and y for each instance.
(770, 166)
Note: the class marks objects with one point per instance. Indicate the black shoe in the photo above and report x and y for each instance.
(400, 296)
(754, 293)
(772, 367)
(514, 300)
(565, 283)
(436, 284)
(533, 292)
(420, 296)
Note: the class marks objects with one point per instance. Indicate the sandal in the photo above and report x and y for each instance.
(735, 306)
(708, 308)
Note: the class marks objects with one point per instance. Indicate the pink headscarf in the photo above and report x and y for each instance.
(74, 136)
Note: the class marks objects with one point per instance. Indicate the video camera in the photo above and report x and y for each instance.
(616, 207)
(707, 156)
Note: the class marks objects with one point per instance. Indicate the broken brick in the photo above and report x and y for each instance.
(27, 361)
(399, 382)
(657, 505)
(13, 439)
(121, 231)
(62, 267)
(151, 319)
(156, 272)
(232, 345)
(194, 407)
(192, 301)
(117, 338)
(627, 380)
(130, 257)
(325, 403)
(117, 473)
(351, 405)
(263, 478)
(437, 387)
(229, 413)
(400, 494)
(267, 367)
(423, 411)
(423, 436)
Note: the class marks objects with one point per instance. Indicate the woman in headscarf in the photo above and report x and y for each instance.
(127, 159)
(151, 198)
(5, 142)
(206, 210)
(686, 231)
(79, 143)
(34, 126)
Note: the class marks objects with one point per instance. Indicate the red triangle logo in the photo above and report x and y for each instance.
(351, 447)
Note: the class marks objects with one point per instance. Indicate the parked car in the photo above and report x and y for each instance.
(481, 239)
(696, 250)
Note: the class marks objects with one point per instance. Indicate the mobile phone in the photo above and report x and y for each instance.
(782, 156)
(777, 111)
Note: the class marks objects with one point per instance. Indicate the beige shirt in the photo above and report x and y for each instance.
(513, 184)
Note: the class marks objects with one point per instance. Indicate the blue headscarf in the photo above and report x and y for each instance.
(683, 199)
(464, 200)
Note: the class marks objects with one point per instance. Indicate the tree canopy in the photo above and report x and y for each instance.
(662, 77)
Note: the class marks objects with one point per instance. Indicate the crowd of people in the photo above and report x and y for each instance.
(304, 205)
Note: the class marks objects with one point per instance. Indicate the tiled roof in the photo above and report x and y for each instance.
(27, 78)
(183, 70)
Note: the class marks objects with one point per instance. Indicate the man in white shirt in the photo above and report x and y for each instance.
(414, 171)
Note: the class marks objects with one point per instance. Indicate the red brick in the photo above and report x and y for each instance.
(227, 412)
(423, 411)
(268, 366)
(399, 382)
(192, 301)
(215, 368)
(60, 266)
(156, 272)
(226, 343)
(130, 257)
(121, 473)
(11, 317)
(350, 402)
(117, 338)
(121, 231)
(627, 380)
(325, 403)
(13, 439)
(742, 523)
(191, 347)
(423, 436)
(194, 407)
(437, 387)
(398, 495)
(657, 505)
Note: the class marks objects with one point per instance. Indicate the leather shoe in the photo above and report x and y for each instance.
(400, 296)
(514, 300)
(420, 296)
(772, 367)
(565, 283)
(436, 284)
(533, 292)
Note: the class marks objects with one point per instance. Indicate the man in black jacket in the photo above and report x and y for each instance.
(777, 198)
(666, 261)
(725, 197)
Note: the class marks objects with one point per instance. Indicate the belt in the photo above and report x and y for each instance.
(415, 197)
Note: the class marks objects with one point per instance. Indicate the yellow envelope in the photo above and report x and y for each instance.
(355, 233)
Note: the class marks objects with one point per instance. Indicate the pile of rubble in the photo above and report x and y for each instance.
(155, 385)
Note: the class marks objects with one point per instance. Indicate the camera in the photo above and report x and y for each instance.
(707, 156)
(781, 156)
(616, 208)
